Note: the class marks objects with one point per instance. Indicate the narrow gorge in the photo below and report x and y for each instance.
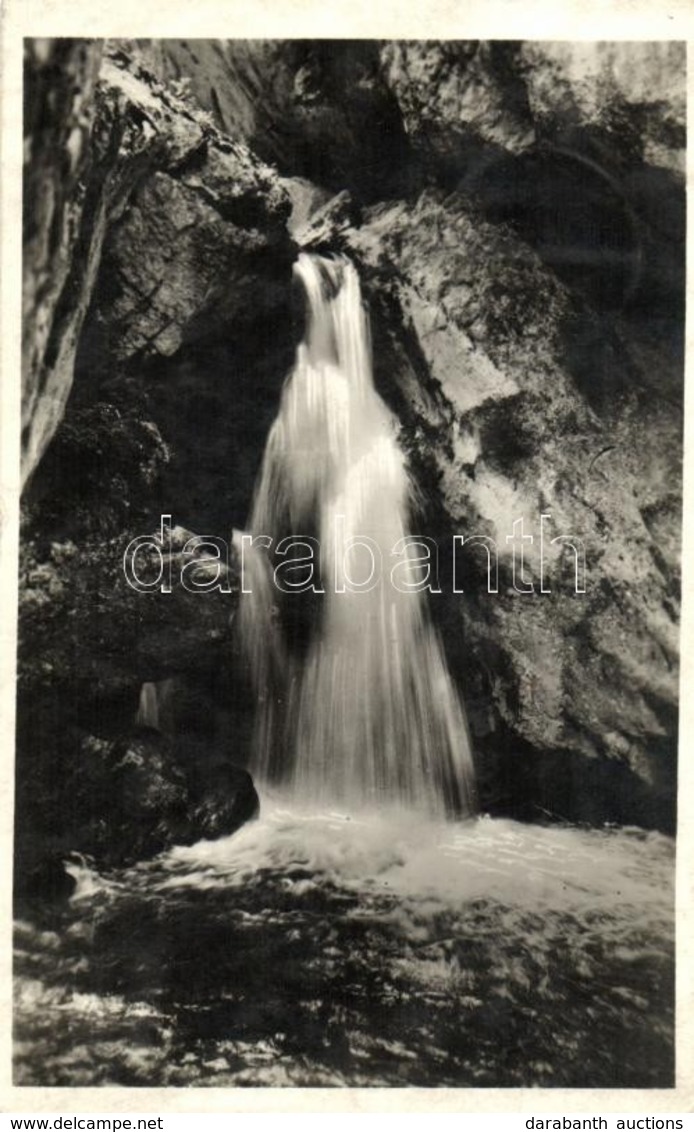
(391, 296)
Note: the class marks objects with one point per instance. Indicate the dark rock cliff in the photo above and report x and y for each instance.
(208, 268)
(517, 214)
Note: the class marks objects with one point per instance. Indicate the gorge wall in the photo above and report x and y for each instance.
(516, 212)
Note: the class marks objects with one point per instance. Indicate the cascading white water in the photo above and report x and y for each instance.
(152, 709)
(148, 708)
(364, 712)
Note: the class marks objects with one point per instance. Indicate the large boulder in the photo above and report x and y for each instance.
(118, 801)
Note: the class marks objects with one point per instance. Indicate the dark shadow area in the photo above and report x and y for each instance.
(566, 786)
(572, 213)
(615, 236)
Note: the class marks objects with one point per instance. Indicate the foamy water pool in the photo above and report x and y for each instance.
(333, 949)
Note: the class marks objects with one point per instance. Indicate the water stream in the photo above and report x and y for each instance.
(358, 708)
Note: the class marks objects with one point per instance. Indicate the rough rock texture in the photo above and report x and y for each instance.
(61, 75)
(89, 145)
(456, 97)
(208, 225)
(78, 603)
(517, 214)
(343, 116)
(207, 253)
(88, 642)
(631, 94)
(122, 800)
(474, 351)
(313, 111)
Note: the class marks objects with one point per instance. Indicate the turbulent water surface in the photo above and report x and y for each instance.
(328, 949)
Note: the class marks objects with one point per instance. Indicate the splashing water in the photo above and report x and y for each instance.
(359, 708)
(373, 949)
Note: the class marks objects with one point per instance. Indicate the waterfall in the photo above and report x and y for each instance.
(355, 705)
(148, 708)
(152, 708)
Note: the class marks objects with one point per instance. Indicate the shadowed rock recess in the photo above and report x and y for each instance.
(516, 213)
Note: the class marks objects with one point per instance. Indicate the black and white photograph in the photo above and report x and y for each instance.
(347, 673)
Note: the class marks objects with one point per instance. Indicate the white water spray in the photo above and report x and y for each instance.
(148, 708)
(153, 709)
(362, 711)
